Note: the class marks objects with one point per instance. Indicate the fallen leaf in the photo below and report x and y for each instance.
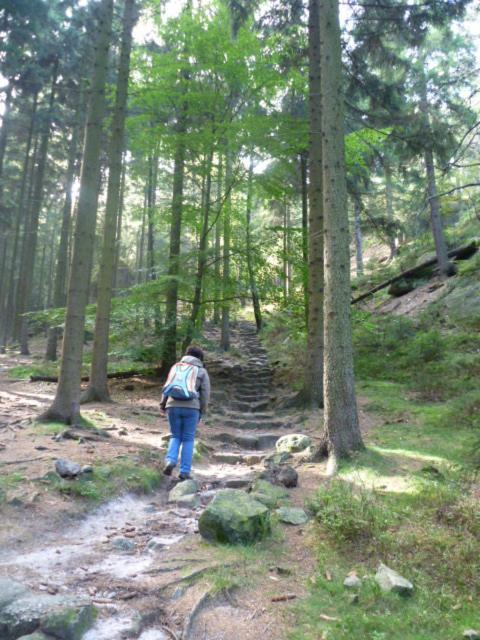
(323, 616)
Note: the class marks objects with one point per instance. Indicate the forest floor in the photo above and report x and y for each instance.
(62, 535)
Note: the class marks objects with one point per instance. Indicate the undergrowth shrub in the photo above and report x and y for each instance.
(349, 513)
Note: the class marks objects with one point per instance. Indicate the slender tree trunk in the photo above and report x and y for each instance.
(9, 313)
(342, 431)
(119, 225)
(98, 388)
(251, 273)
(59, 297)
(313, 386)
(66, 406)
(445, 267)
(304, 182)
(5, 223)
(389, 206)
(217, 251)
(31, 224)
(357, 210)
(169, 353)
(225, 326)
(285, 254)
(151, 197)
(202, 254)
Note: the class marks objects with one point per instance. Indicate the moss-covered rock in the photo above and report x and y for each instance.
(70, 623)
(268, 494)
(234, 517)
(292, 515)
(292, 443)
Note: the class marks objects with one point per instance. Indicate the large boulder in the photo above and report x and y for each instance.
(292, 443)
(234, 517)
(25, 613)
(70, 623)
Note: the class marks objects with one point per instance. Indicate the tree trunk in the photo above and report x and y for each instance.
(202, 254)
(304, 182)
(31, 223)
(169, 353)
(445, 267)
(389, 206)
(217, 251)
(9, 313)
(98, 388)
(251, 273)
(141, 243)
(62, 254)
(5, 222)
(66, 406)
(342, 431)
(357, 210)
(151, 197)
(119, 225)
(225, 325)
(313, 384)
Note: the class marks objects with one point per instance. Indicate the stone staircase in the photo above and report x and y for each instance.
(242, 393)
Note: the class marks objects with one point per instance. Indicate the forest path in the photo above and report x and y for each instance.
(166, 582)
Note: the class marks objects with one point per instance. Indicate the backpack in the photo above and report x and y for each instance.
(181, 382)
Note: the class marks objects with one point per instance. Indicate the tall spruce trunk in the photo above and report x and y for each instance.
(357, 211)
(25, 285)
(392, 241)
(169, 352)
(118, 233)
(202, 254)
(66, 404)
(225, 320)
(248, 241)
(5, 223)
(304, 186)
(59, 296)
(313, 384)
(445, 267)
(217, 250)
(98, 388)
(342, 432)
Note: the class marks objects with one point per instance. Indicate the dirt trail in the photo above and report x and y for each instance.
(167, 583)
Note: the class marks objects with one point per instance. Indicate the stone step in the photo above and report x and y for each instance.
(253, 424)
(249, 407)
(245, 457)
(258, 441)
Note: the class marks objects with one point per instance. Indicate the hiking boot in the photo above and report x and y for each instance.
(184, 476)
(168, 468)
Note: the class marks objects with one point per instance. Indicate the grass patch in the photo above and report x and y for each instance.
(108, 480)
(24, 371)
(430, 536)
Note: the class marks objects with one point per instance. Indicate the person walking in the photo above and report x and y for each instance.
(185, 398)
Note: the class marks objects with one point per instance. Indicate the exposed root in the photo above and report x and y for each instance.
(198, 607)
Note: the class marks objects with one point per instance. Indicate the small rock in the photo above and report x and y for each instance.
(67, 468)
(472, 634)
(275, 459)
(190, 501)
(129, 387)
(352, 582)
(281, 475)
(292, 443)
(185, 488)
(123, 544)
(268, 494)
(10, 591)
(36, 635)
(292, 515)
(354, 598)
(123, 432)
(390, 580)
(87, 468)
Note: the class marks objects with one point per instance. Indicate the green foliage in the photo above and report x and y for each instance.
(347, 512)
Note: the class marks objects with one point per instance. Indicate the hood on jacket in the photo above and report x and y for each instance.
(192, 360)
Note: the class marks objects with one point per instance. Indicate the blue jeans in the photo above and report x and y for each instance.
(183, 424)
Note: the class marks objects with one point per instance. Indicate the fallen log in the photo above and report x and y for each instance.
(462, 253)
(117, 374)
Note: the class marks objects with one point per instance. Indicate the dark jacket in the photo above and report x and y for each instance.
(202, 386)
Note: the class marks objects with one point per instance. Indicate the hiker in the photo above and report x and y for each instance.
(185, 397)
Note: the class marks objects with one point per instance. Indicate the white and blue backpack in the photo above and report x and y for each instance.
(181, 383)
